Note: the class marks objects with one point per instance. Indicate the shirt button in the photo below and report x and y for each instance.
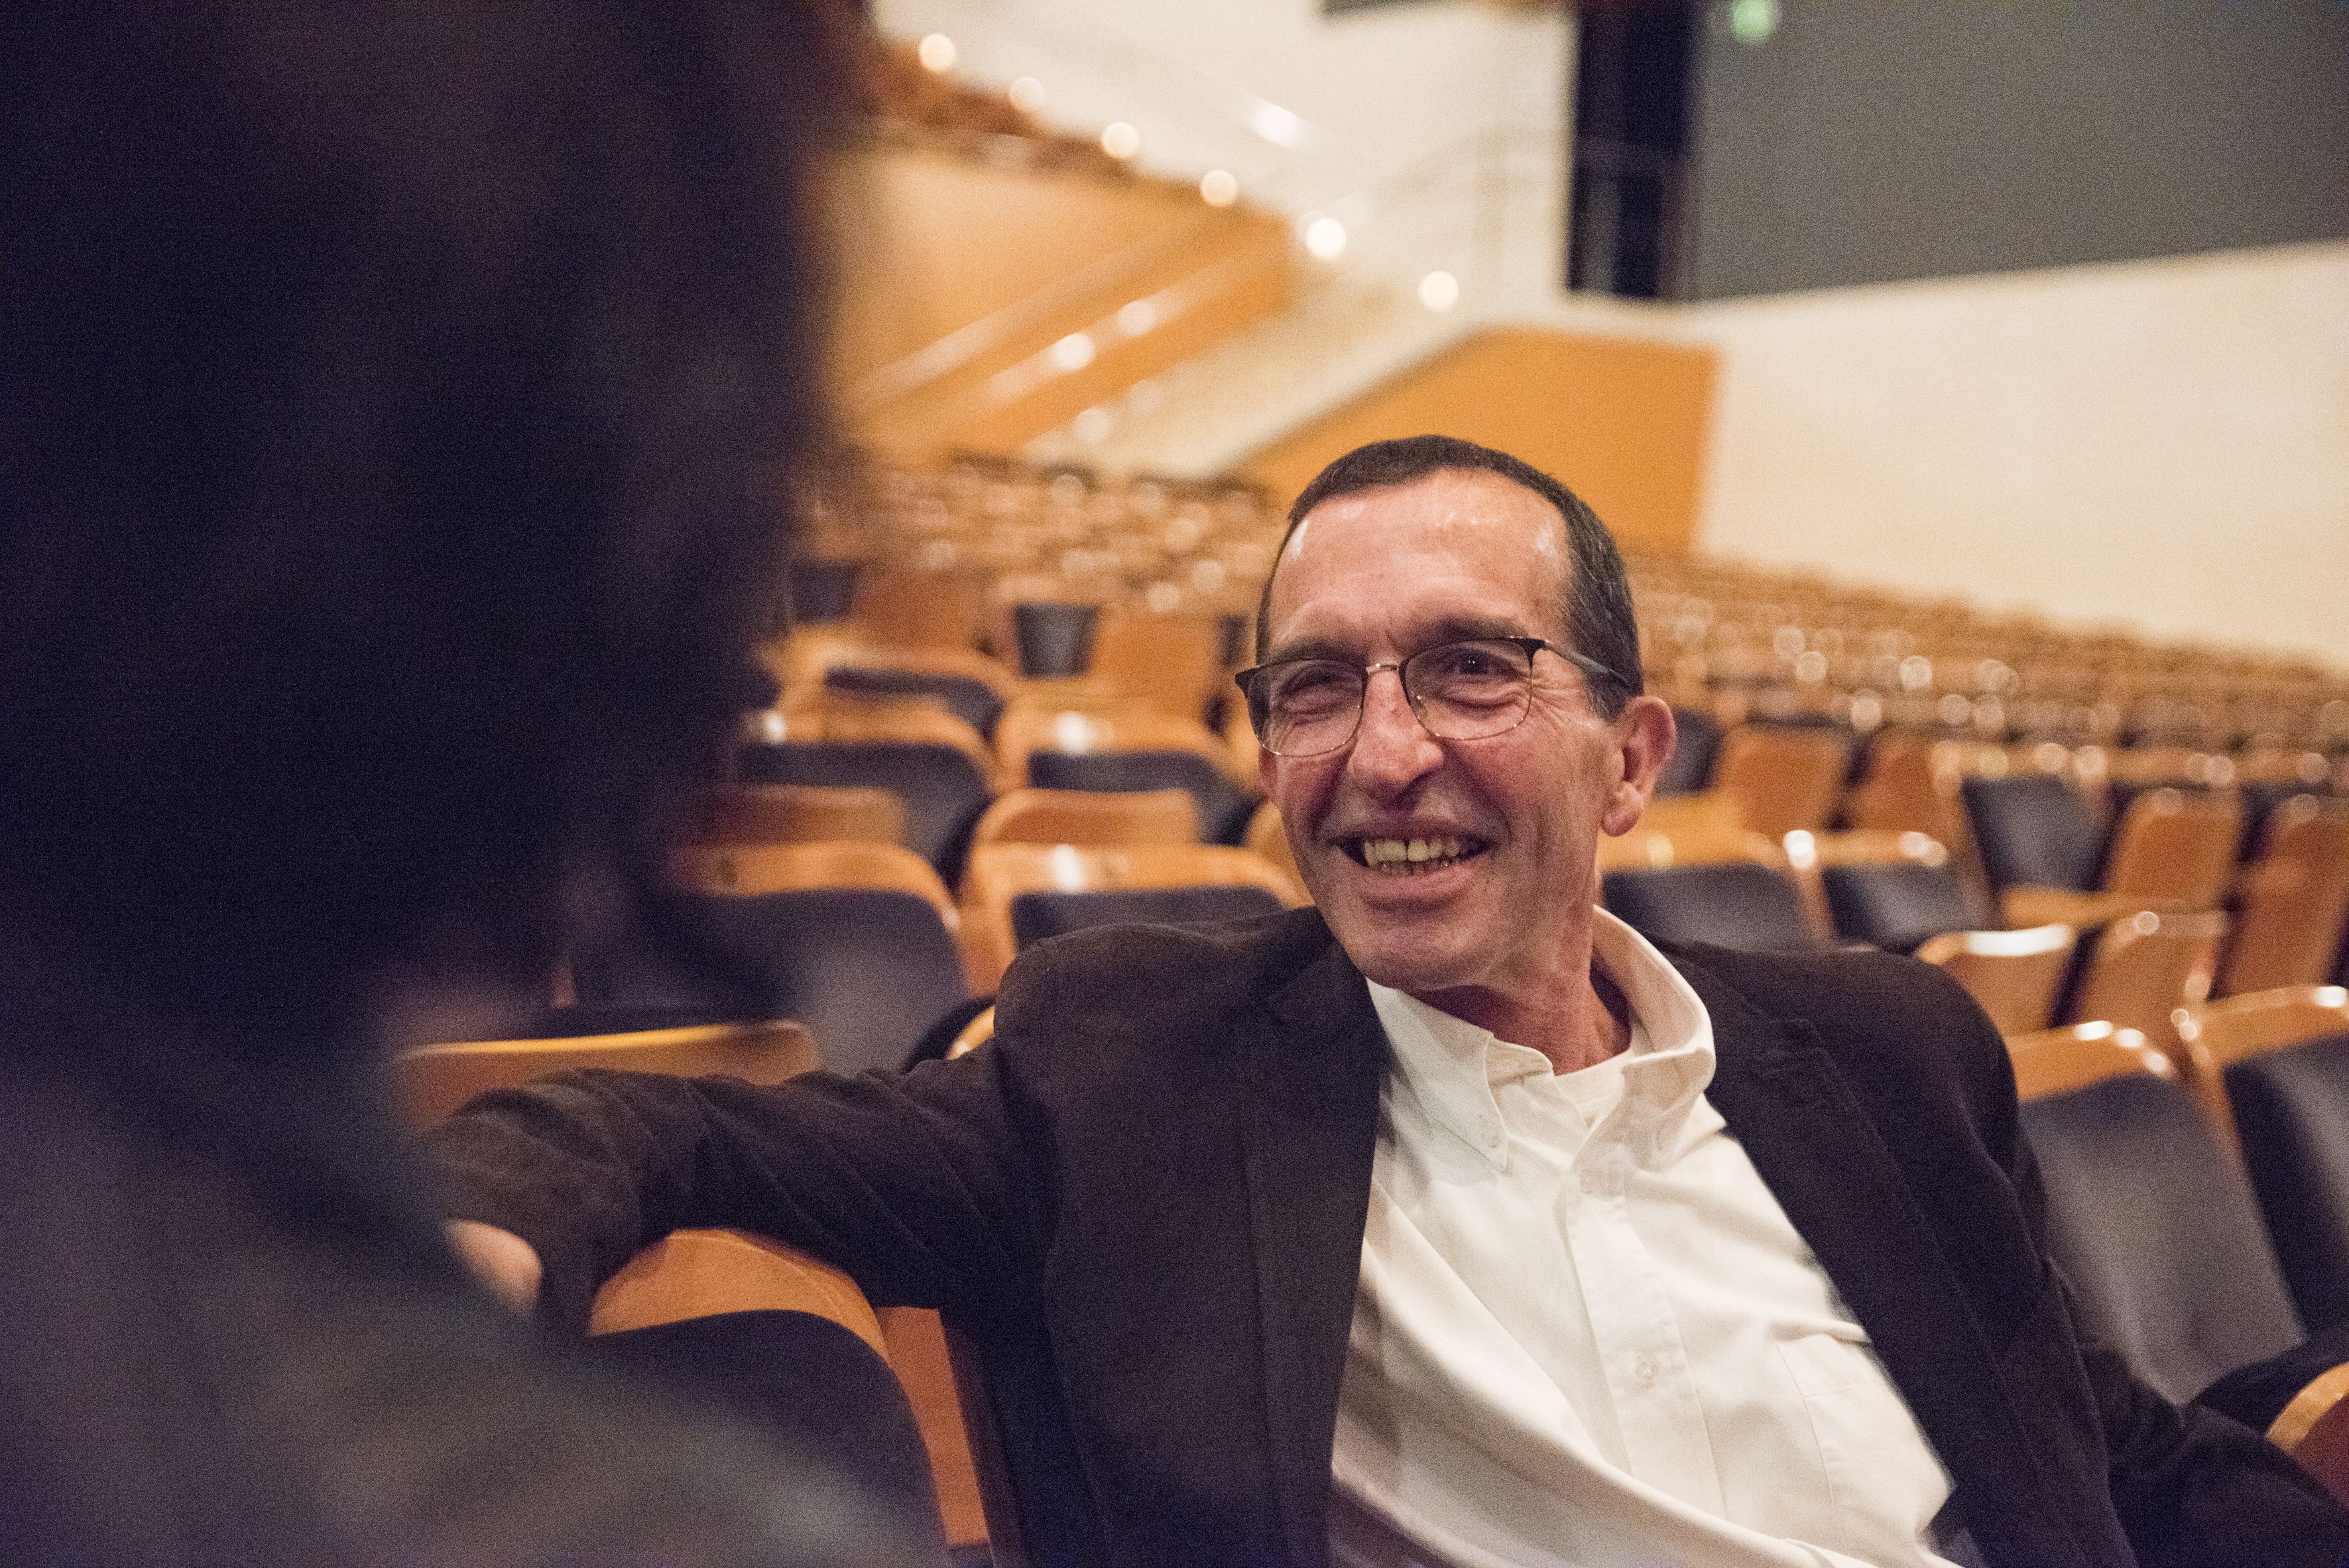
(1644, 1372)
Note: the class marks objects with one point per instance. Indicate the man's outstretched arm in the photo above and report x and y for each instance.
(922, 1187)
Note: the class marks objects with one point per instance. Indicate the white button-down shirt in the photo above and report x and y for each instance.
(1585, 1333)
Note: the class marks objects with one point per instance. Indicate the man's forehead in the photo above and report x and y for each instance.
(1443, 507)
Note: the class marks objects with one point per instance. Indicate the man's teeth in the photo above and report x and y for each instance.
(1402, 853)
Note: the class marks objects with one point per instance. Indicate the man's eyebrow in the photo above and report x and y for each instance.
(1311, 648)
(1450, 629)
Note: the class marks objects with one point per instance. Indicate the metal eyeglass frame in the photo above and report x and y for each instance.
(1589, 666)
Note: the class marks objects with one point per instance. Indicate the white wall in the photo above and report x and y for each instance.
(2162, 444)
(1375, 91)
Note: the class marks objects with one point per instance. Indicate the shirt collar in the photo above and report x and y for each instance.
(1452, 1066)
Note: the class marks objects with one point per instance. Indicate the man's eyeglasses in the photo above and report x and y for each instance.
(1461, 691)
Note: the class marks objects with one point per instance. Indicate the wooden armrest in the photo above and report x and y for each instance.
(2026, 905)
(2314, 1429)
(700, 1274)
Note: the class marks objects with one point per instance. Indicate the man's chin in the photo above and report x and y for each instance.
(1418, 968)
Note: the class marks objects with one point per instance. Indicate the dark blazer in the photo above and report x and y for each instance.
(1146, 1199)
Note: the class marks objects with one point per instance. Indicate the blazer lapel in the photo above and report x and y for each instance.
(1822, 1156)
(1311, 1131)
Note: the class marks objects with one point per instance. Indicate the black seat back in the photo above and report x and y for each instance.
(1898, 905)
(1037, 915)
(968, 697)
(1039, 1510)
(942, 787)
(2033, 829)
(868, 970)
(1054, 638)
(1742, 905)
(1690, 768)
(2158, 1233)
(2291, 1107)
(821, 591)
(1223, 807)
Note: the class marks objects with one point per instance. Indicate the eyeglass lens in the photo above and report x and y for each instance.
(1461, 691)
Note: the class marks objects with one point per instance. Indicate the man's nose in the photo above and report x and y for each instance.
(1392, 749)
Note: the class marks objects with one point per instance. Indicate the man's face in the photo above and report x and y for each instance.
(1512, 821)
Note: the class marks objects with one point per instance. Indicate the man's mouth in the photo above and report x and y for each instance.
(1410, 857)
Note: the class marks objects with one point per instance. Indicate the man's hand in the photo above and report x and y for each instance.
(502, 1261)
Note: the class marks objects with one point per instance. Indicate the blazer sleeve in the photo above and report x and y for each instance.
(925, 1186)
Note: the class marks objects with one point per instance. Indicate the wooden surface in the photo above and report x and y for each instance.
(1622, 422)
(433, 1081)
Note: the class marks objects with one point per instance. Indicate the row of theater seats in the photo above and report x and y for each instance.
(1728, 637)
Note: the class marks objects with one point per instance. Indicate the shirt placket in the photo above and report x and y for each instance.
(1642, 1359)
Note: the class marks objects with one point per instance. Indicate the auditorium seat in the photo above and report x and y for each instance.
(968, 699)
(2293, 899)
(1223, 807)
(1054, 637)
(1268, 839)
(2152, 1223)
(1174, 660)
(2016, 976)
(2175, 848)
(857, 941)
(1015, 893)
(433, 1081)
(1700, 829)
(1784, 777)
(1889, 889)
(821, 590)
(848, 663)
(2143, 968)
(1123, 747)
(1746, 904)
(900, 605)
(2033, 829)
(2281, 1059)
(942, 787)
(746, 814)
(1031, 816)
(1691, 767)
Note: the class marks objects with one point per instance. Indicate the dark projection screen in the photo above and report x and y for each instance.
(1866, 140)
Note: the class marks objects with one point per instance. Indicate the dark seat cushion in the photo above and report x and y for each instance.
(868, 970)
(1741, 905)
(2291, 1107)
(1897, 905)
(1037, 915)
(2158, 1233)
(812, 1387)
(1223, 807)
(2256, 1394)
(2033, 829)
(942, 787)
(968, 699)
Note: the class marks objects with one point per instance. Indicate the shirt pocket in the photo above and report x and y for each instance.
(1883, 1478)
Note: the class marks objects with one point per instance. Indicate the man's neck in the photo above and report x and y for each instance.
(1578, 1024)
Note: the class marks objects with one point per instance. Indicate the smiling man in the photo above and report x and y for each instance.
(1450, 1222)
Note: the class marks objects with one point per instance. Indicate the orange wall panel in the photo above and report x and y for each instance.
(1621, 421)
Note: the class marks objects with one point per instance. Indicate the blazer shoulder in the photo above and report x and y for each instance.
(1180, 976)
(1882, 1017)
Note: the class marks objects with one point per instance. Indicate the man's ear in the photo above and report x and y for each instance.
(1645, 738)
